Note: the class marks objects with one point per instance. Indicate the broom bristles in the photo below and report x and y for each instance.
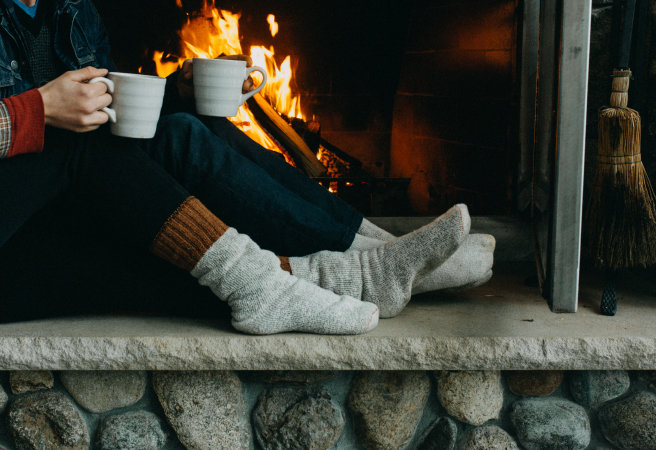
(621, 212)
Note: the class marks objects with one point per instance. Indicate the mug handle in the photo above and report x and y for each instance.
(250, 70)
(110, 88)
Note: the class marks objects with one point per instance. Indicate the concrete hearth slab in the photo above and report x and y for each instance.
(502, 325)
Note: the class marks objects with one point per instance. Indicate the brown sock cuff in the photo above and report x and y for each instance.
(187, 234)
(284, 264)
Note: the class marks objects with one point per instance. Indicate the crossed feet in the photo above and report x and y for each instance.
(344, 292)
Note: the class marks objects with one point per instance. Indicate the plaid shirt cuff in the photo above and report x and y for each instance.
(27, 123)
(5, 130)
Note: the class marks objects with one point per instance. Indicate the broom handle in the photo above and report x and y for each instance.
(627, 32)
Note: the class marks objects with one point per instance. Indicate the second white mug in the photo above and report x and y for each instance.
(136, 103)
(218, 84)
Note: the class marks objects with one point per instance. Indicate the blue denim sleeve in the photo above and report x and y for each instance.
(101, 41)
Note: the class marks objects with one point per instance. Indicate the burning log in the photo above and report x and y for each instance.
(309, 131)
(337, 161)
(353, 164)
(305, 159)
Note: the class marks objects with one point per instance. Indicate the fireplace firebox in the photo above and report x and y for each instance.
(476, 101)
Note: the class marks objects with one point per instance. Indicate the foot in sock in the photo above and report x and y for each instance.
(371, 230)
(385, 275)
(265, 299)
(481, 281)
(469, 266)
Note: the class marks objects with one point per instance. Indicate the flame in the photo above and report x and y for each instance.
(212, 32)
(277, 90)
(273, 25)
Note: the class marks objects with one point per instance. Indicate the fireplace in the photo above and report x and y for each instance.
(439, 102)
(431, 114)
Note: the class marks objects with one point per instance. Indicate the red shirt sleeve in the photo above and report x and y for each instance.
(27, 118)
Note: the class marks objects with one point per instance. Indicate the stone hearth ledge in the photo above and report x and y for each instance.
(502, 325)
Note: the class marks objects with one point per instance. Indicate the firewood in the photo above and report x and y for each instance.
(354, 163)
(305, 159)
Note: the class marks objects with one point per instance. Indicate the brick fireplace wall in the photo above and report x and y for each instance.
(426, 90)
(433, 82)
(455, 112)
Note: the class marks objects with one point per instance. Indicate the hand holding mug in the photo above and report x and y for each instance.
(185, 79)
(218, 85)
(71, 103)
(136, 104)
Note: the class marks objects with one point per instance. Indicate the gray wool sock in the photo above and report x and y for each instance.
(385, 275)
(265, 299)
(481, 281)
(372, 230)
(361, 242)
(469, 266)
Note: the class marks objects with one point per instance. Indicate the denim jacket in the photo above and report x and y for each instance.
(79, 39)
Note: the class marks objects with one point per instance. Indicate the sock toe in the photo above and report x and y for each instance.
(373, 320)
(485, 241)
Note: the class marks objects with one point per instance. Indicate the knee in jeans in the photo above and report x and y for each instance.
(179, 121)
(184, 136)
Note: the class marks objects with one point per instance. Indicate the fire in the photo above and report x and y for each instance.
(273, 25)
(213, 32)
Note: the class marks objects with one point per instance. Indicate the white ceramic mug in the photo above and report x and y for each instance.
(136, 103)
(218, 83)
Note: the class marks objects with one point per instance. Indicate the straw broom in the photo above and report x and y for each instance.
(621, 213)
(622, 209)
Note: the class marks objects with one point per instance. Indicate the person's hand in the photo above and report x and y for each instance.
(71, 103)
(185, 78)
(248, 83)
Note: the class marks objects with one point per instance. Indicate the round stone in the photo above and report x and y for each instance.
(206, 409)
(292, 418)
(473, 397)
(534, 383)
(139, 430)
(441, 435)
(296, 377)
(486, 438)
(630, 423)
(551, 423)
(101, 391)
(30, 380)
(387, 407)
(591, 388)
(47, 419)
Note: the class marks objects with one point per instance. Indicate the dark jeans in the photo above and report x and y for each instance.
(109, 179)
(76, 219)
(251, 188)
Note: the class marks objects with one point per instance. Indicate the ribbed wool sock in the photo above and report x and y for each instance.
(361, 242)
(187, 234)
(385, 275)
(264, 299)
(372, 230)
(468, 267)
